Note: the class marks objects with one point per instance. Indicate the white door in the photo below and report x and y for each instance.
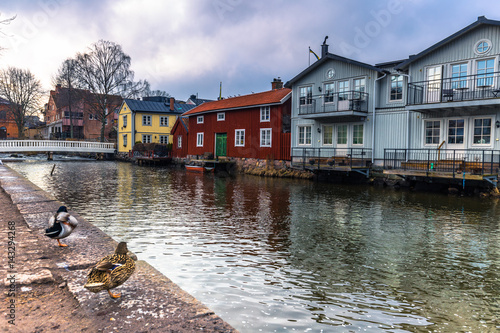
(433, 77)
(456, 133)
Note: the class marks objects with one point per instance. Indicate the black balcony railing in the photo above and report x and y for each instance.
(456, 89)
(334, 102)
(455, 161)
(331, 158)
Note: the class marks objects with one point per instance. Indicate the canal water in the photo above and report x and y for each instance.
(281, 255)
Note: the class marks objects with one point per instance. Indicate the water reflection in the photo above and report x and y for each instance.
(282, 255)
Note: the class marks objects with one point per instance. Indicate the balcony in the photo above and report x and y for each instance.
(471, 164)
(474, 89)
(348, 103)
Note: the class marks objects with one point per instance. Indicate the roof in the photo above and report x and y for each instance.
(198, 101)
(277, 96)
(331, 56)
(481, 20)
(61, 96)
(149, 106)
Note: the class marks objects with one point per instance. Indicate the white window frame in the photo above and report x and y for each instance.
(200, 119)
(146, 120)
(146, 138)
(199, 139)
(239, 138)
(124, 119)
(164, 139)
(323, 133)
(473, 120)
(265, 114)
(179, 141)
(362, 134)
(400, 78)
(221, 116)
(125, 140)
(329, 95)
(164, 121)
(305, 95)
(440, 132)
(304, 142)
(266, 135)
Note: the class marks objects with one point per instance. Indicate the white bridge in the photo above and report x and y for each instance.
(15, 146)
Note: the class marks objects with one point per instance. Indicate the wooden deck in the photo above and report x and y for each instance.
(436, 174)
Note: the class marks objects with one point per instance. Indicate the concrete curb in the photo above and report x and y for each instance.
(150, 301)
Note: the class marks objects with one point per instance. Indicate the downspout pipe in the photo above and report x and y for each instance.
(373, 121)
(407, 118)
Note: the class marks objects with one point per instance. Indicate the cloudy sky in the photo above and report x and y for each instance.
(188, 47)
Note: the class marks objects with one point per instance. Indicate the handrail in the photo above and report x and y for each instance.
(55, 145)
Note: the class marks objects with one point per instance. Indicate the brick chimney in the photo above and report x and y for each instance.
(324, 48)
(277, 84)
(172, 101)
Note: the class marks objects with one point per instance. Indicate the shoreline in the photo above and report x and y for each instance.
(39, 272)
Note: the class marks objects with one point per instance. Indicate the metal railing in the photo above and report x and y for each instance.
(456, 89)
(335, 102)
(331, 158)
(473, 161)
(10, 146)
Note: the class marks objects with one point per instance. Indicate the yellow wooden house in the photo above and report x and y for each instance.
(149, 120)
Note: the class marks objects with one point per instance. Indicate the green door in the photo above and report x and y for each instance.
(220, 144)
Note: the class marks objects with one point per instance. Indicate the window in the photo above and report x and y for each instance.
(329, 88)
(305, 95)
(482, 47)
(456, 131)
(485, 69)
(164, 121)
(199, 140)
(458, 76)
(482, 131)
(179, 141)
(343, 90)
(199, 120)
(396, 88)
(239, 138)
(342, 135)
(357, 134)
(359, 86)
(91, 116)
(432, 132)
(146, 121)
(305, 135)
(124, 121)
(124, 139)
(328, 135)
(146, 138)
(221, 116)
(265, 137)
(265, 113)
(164, 139)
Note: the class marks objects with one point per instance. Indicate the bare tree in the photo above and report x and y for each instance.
(67, 77)
(104, 70)
(23, 92)
(149, 93)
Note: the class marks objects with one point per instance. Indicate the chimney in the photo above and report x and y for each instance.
(324, 48)
(172, 100)
(277, 83)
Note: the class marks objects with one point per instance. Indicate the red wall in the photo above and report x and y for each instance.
(247, 119)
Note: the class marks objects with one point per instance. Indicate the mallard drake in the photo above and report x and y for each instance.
(111, 271)
(61, 225)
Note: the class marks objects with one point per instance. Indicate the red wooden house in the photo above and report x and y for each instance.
(180, 133)
(251, 126)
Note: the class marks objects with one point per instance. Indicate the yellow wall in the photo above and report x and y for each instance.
(125, 130)
(155, 130)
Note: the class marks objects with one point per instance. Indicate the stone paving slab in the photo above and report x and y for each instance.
(149, 302)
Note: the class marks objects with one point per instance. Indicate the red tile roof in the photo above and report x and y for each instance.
(264, 98)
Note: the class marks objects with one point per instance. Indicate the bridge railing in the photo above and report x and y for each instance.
(7, 146)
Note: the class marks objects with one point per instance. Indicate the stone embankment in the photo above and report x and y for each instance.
(43, 283)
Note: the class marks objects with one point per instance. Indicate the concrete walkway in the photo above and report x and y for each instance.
(48, 280)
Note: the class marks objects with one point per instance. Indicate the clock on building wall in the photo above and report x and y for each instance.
(330, 73)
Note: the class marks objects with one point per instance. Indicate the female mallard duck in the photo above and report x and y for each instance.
(61, 225)
(111, 271)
